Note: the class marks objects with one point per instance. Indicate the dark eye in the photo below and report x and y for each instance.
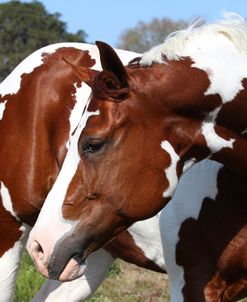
(91, 145)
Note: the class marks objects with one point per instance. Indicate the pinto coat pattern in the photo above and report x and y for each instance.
(145, 125)
(41, 103)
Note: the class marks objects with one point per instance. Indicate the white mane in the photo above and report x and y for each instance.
(180, 43)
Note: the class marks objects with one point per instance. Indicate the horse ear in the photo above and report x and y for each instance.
(87, 75)
(112, 64)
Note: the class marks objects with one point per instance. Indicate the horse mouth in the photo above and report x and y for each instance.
(72, 269)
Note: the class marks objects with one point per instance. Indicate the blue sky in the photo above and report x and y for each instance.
(106, 19)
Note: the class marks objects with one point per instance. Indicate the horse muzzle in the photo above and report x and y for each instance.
(65, 263)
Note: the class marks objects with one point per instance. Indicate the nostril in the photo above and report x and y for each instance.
(39, 257)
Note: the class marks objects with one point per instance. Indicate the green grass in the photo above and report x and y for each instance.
(125, 283)
(28, 281)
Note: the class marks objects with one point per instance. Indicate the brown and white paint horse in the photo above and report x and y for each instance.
(205, 254)
(145, 125)
(41, 103)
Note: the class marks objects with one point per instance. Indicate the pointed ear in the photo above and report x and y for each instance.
(87, 75)
(112, 82)
(111, 63)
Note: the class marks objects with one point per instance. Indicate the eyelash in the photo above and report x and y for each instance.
(91, 146)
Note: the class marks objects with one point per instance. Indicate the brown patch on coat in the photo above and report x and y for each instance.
(212, 248)
(124, 247)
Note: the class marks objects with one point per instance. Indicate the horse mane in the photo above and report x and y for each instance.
(179, 44)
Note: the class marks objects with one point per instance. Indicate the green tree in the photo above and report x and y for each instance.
(148, 34)
(24, 28)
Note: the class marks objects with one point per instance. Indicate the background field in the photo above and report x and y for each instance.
(125, 283)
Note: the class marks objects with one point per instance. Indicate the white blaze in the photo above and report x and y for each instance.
(51, 213)
(82, 93)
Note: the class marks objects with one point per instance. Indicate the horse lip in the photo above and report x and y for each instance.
(59, 260)
(55, 271)
(79, 258)
(72, 271)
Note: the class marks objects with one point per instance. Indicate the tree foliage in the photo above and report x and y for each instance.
(148, 34)
(24, 28)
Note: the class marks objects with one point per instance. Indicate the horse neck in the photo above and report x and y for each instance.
(233, 155)
(195, 140)
(199, 124)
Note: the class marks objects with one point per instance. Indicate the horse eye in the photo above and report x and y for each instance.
(90, 146)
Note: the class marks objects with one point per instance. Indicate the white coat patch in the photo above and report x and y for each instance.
(6, 201)
(214, 142)
(146, 235)
(218, 49)
(197, 183)
(12, 83)
(171, 171)
(2, 108)
(9, 265)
